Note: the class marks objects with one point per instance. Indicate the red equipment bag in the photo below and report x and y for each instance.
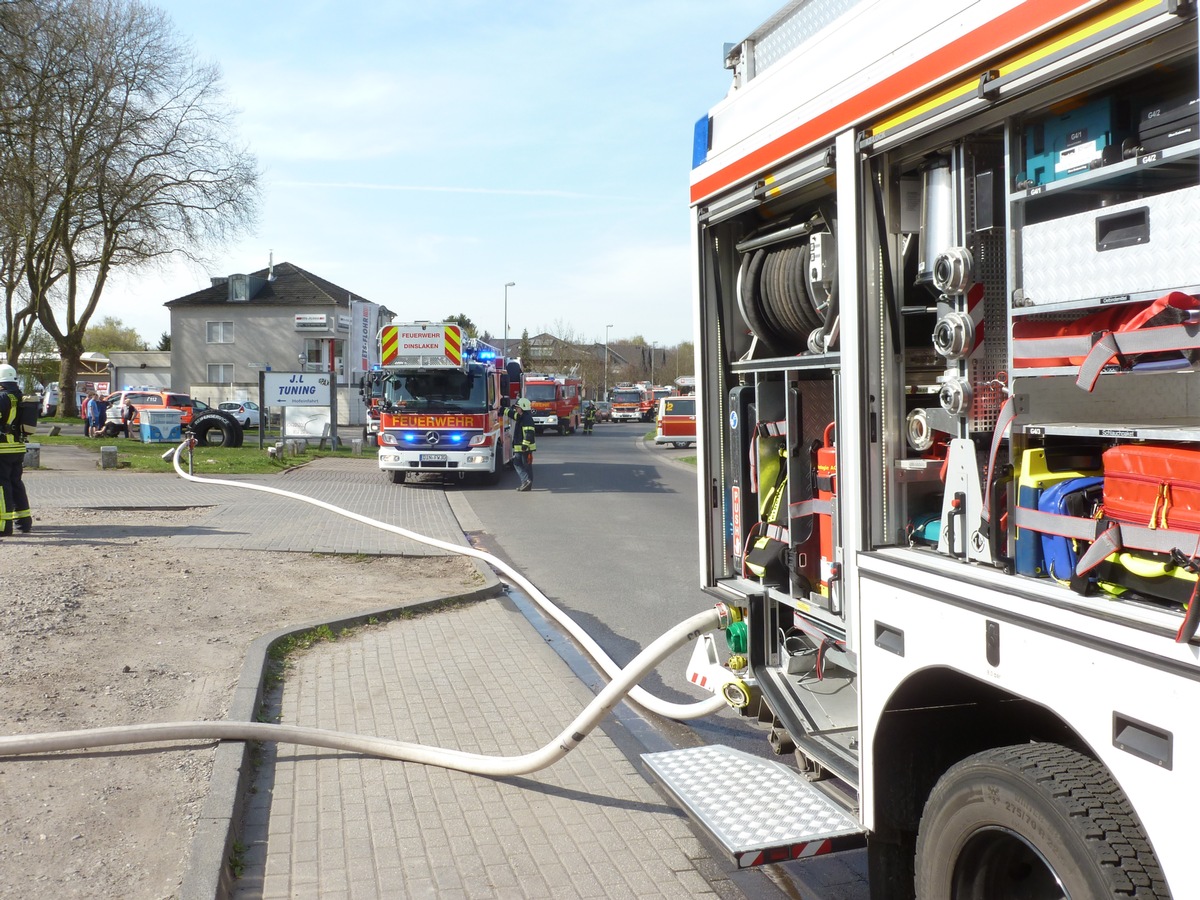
(1153, 485)
(1161, 330)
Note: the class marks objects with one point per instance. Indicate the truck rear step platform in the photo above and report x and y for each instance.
(758, 810)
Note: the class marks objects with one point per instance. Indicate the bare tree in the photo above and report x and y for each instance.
(117, 146)
(579, 356)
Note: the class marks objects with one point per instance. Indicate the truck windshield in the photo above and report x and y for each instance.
(626, 397)
(540, 391)
(465, 391)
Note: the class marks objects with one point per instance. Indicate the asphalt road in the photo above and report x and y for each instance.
(609, 533)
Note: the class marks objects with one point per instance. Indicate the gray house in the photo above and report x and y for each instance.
(281, 318)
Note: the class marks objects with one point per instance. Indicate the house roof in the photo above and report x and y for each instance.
(289, 285)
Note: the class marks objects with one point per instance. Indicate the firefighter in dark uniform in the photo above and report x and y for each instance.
(14, 502)
(589, 417)
(524, 443)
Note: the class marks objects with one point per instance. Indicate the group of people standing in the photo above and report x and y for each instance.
(94, 412)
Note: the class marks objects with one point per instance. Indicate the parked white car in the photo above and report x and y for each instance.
(245, 411)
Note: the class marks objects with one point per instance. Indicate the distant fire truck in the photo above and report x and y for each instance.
(632, 403)
(440, 407)
(555, 400)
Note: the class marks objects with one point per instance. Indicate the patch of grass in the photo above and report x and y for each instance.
(237, 859)
(277, 656)
(245, 460)
(690, 460)
(302, 641)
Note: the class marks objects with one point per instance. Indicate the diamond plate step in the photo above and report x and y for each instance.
(758, 810)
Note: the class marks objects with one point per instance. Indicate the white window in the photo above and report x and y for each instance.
(220, 374)
(220, 332)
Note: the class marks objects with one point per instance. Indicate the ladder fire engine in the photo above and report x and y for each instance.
(949, 470)
(555, 399)
(442, 403)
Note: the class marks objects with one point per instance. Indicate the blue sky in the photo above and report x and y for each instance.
(424, 154)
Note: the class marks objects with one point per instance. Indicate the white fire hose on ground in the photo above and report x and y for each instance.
(623, 683)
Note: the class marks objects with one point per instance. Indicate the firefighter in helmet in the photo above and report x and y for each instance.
(14, 502)
(589, 417)
(524, 443)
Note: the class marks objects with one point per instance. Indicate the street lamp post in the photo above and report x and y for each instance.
(606, 328)
(506, 287)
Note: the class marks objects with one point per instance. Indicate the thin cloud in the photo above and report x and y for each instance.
(439, 189)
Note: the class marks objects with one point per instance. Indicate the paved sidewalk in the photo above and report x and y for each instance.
(478, 677)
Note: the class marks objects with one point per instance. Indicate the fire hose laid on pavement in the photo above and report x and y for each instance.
(623, 683)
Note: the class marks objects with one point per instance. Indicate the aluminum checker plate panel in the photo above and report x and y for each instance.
(748, 803)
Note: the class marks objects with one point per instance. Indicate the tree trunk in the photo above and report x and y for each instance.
(68, 374)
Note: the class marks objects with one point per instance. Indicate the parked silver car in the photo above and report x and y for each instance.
(245, 411)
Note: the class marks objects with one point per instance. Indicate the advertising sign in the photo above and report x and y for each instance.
(296, 388)
(312, 322)
(363, 346)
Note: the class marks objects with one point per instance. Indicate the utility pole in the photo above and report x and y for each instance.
(507, 355)
(607, 328)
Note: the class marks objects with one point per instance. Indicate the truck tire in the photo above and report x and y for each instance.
(1034, 821)
(562, 427)
(214, 428)
(398, 477)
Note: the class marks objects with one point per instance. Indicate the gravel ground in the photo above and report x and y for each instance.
(132, 631)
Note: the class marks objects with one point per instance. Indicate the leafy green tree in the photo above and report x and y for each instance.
(524, 350)
(111, 334)
(464, 322)
(164, 341)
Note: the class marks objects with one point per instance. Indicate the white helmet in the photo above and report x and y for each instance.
(523, 403)
(7, 373)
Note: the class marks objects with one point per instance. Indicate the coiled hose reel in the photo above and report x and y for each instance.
(787, 294)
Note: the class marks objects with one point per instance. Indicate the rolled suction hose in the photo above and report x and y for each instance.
(656, 705)
(499, 766)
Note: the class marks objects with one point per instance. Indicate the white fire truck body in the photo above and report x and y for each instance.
(947, 297)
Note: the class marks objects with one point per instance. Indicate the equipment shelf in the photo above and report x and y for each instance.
(1168, 165)
(780, 363)
(1161, 430)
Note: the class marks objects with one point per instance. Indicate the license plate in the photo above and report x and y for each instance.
(433, 457)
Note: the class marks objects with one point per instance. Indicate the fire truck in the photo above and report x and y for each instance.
(632, 403)
(555, 400)
(442, 403)
(947, 292)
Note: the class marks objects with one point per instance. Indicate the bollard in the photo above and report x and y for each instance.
(55, 431)
(356, 446)
(108, 457)
(279, 448)
(33, 456)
